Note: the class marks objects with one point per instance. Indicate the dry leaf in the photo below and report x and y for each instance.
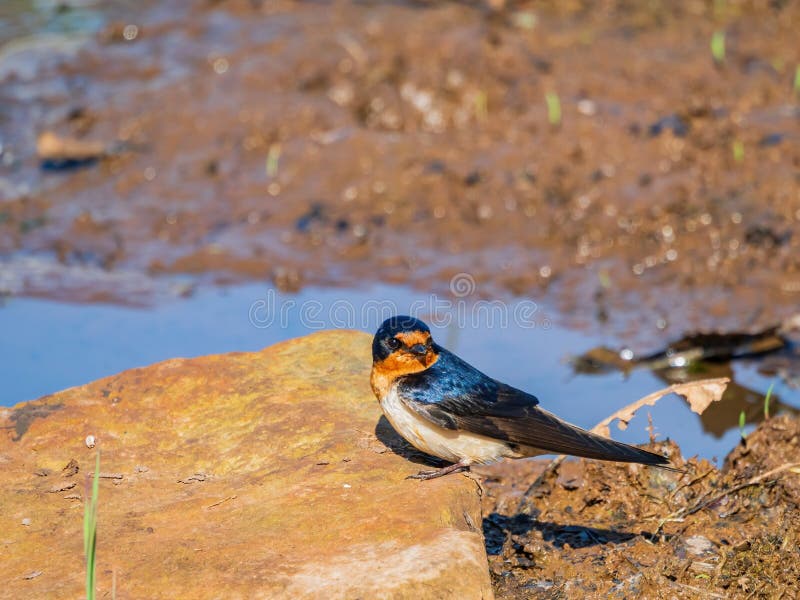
(699, 394)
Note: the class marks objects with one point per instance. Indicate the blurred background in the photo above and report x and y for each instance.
(631, 169)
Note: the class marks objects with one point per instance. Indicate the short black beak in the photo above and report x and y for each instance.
(419, 349)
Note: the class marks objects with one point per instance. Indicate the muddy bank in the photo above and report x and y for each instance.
(595, 530)
(405, 142)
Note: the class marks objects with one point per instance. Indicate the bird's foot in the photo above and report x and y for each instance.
(454, 468)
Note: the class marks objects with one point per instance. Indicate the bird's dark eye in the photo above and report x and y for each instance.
(393, 343)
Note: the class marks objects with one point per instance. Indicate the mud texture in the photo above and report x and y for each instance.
(596, 530)
(345, 142)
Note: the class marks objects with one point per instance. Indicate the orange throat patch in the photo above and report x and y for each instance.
(397, 364)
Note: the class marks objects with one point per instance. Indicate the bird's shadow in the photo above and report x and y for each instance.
(392, 440)
(498, 528)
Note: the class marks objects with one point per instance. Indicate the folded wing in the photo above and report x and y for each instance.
(455, 395)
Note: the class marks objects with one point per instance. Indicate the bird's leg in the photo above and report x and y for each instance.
(462, 465)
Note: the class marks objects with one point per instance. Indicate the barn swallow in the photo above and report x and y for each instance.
(445, 407)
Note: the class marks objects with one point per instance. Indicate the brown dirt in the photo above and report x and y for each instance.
(597, 530)
(343, 142)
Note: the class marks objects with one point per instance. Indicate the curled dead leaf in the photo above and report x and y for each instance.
(699, 394)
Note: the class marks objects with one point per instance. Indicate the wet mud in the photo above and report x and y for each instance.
(593, 530)
(595, 157)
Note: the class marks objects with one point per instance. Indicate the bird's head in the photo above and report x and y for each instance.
(403, 345)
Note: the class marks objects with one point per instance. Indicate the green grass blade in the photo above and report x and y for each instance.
(553, 108)
(796, 85)
(273, 160)
(718, 46)
(738, 151)
(90, 531)
(767, 399)
(482, 106)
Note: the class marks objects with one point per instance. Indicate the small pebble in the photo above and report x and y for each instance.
(587, 107)
(698, 545)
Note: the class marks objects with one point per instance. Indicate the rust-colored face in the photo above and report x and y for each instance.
(411, 352)
(411, 338)
(415, 347)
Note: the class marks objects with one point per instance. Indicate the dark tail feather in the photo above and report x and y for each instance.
(579, 442)
(544, 431)
(600, 448)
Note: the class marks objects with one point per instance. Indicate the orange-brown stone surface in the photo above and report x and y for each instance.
(247, 475)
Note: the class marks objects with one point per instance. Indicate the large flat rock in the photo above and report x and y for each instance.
(255, 475)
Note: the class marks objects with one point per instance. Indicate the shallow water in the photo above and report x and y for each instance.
(48, 346)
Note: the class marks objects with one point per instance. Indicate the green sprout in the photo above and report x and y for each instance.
(605, 279)
(742, 421)
(796, 85)
(767, 398)
(482, 106)
(553, 108)
(738, 150)
(718, 46)
(90, 531)
(273, 160)
(525, 19)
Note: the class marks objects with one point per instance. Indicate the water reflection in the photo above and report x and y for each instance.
(774, 352)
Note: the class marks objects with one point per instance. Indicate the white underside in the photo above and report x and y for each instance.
(448, 444)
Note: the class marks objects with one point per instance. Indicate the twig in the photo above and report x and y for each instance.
(697, 590)
(756, 590)
(754, 481)
(691, 483)
(720, 566)
(550, 468)
(685, 512)
(218, 502)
